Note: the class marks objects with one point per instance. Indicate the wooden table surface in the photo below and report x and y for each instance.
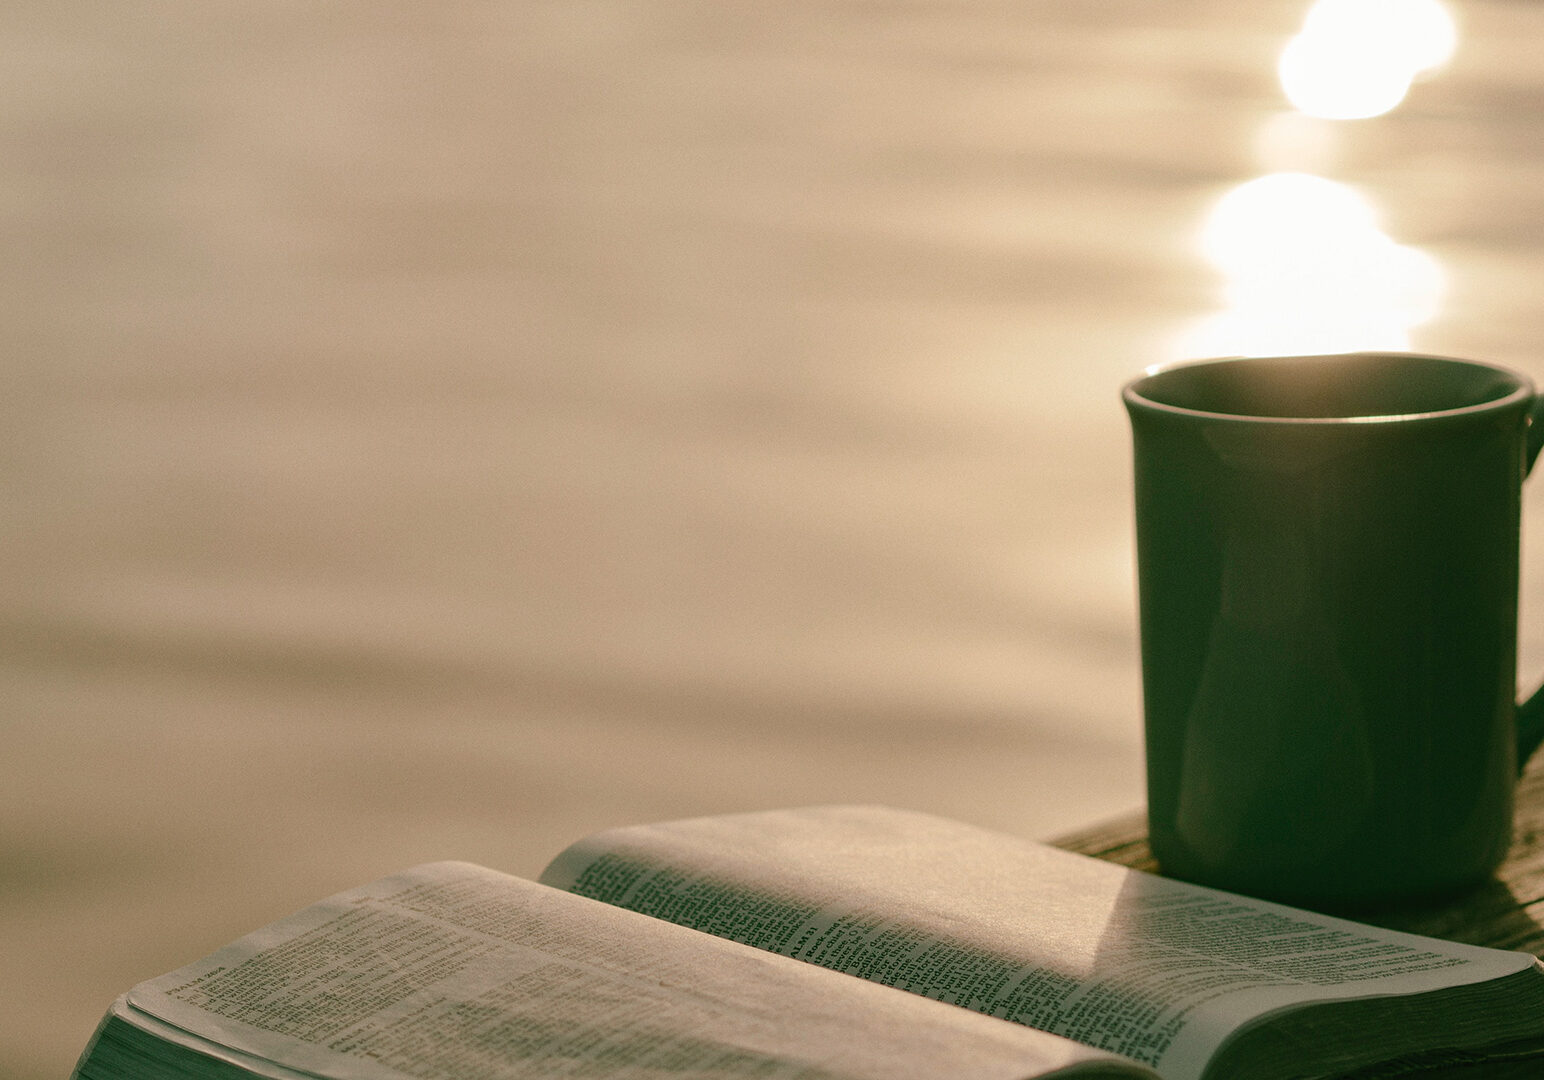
(1503, 913)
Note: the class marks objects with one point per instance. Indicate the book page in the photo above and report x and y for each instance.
(1153, 969)
(452, 971)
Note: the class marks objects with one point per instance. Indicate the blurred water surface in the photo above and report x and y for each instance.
(439, 431)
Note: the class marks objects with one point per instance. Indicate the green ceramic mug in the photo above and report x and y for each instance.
(1327, 556)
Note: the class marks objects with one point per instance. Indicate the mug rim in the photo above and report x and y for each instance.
(1131, 393)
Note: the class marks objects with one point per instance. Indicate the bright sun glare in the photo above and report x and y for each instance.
(1356, 59)
(1308, 268)
(1306, 264)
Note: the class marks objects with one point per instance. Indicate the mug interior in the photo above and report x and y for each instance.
(1352, 386)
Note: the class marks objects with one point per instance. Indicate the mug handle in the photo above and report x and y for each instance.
(1530, 714)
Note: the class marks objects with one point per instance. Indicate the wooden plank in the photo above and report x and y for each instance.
(1506, 912)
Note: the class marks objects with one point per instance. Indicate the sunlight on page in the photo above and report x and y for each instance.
(1356, 59)
(1307, 268)
(1162, 972)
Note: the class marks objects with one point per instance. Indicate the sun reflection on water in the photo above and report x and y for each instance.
(1308, 268)
(1306, 263)
(1356, 59)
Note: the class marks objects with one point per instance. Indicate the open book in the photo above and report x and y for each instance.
(1065, 966)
